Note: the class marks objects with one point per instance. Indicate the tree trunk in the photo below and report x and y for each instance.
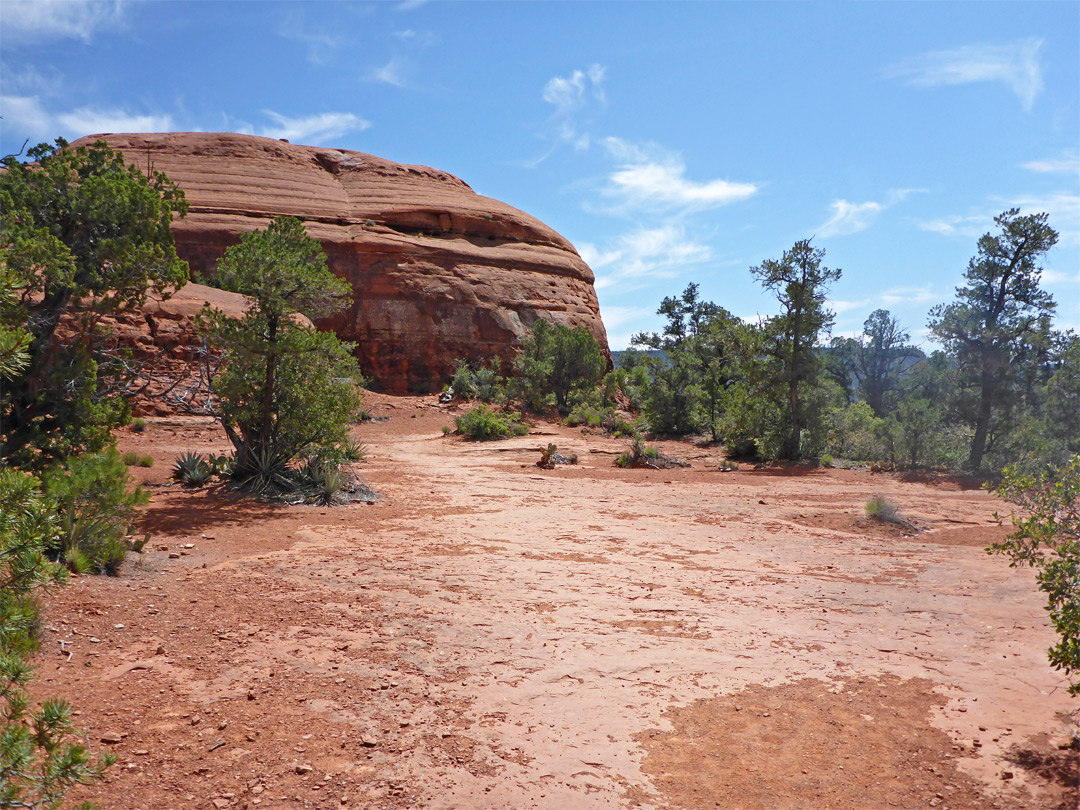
(982, 423)
(790, 450)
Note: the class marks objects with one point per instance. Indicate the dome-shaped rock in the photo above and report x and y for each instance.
(438, 272)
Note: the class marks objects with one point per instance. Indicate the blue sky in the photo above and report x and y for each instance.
(670, 142)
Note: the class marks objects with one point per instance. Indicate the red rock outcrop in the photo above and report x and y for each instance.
(438, 272)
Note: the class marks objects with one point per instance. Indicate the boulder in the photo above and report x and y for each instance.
(438, 272)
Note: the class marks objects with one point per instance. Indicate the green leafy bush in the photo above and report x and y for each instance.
(477, 382)
(1047, 539)
(825, 460)
(483, 424)
(138, 425)
(555, 362)
(96, 510)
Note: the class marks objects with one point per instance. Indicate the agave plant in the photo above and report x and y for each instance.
(191, 469)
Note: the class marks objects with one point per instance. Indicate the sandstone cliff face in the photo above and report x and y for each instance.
(438, 272)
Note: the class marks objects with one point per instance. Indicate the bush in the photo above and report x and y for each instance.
(483, 424)
(825, 460)
(555, 362)
(138, 425)
(39, 762)
(881, 508)
(479, 382)
(586, 414)
(96, 510)
(191, 469)
(133, 459)
(1047, 538)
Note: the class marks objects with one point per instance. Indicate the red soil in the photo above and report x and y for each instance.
(491, 635)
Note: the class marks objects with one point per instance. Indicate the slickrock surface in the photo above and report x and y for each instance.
(492, 636)
(438, 271)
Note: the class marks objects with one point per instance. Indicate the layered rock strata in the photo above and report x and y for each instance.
(438, 272)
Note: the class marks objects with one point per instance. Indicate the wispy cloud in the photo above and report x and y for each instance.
(568, 93)
(1055, 277)
(36, 20)
(27, 116)
(849, 217)
(1068, 163)
(1014, 64)
(645, 253)
(313, 129)
(393, 73)
(1063, 208)
(656, 179)
(91, 121)
(580, 95)
(321, 45)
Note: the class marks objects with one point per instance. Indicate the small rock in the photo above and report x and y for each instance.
(302, 768)
(250, 694)
(1007, 774)
(118, 627)
(95, 640)
(196, 720)
(111, 738)
(174, 555)
(368, 740)
(220, 803)
(142, 752)
(160, 650)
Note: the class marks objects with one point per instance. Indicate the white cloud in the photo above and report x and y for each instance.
(1055, 277)
(840, 307)
(1015, 64)
(848, 217)
(26, 116)
(90, 121)
(391, 73)
(648, 252)
(572, 92)
(313, 128)
(1066, 164)
(655, 180)
(1063, 208)
(35, 20)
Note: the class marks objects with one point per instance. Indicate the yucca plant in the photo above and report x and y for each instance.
(324, 480)
(353, 449)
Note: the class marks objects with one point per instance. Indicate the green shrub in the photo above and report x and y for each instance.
(39, 761)
(587, 414)
(354, 450)
(477, 382)
(95, 510)
(881, 508)
(138, 425)
(130, 458)
(825, 460)
(145, 461)
(1047, 538)
(483, 424)
(191, 469)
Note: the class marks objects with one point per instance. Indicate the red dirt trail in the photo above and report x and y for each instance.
(493, 635)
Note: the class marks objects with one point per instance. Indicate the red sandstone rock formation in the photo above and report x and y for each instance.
(438, 271)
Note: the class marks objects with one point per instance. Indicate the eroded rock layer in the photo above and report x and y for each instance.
(438, 272)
